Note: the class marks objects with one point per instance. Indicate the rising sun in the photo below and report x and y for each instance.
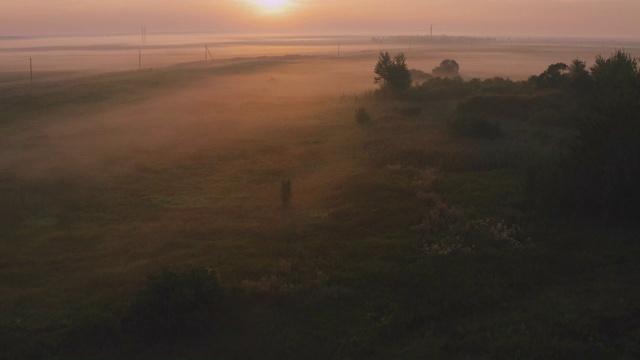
(272, 6)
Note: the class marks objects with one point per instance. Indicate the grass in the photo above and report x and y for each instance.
(341, 273)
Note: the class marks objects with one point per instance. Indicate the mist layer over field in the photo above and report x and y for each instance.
(110, 172)
(143, 152)
(516, 58)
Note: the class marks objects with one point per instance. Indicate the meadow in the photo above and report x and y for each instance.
(403, 238)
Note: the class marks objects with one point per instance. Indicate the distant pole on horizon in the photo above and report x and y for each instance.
(139, 60)
(30, 70)
(207, 52)
(338, 50)
(431, 31)
(144, 35)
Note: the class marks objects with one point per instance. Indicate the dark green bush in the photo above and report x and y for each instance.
(502, 106)
(447, 68)
(175, 305)
(475, 127)
(444, 89)
(419, 75)
(413, 111)
(362, 116)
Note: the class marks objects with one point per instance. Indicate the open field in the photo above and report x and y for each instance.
(202, 157)
(107, 178)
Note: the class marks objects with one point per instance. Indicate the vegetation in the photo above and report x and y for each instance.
(392, 74)
(603, 166)
(362, 116)
(472, 219)
(176, 305)
(447, 68)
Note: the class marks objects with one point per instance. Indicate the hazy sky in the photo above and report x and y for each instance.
(588, 18)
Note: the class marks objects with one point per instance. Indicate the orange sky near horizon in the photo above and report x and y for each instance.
(570, 18)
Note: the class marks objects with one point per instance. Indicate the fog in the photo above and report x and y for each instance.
(250, 86)
(212, 112)
(522, 56)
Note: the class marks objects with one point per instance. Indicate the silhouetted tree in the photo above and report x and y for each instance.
(554, 76)
(446, 68)
(392, 74)
(579, 76)
(603, 168)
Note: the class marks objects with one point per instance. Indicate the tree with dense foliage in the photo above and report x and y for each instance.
(392, 74)
(603, 168)
(553, 77)
(447, 68)
(579, 77)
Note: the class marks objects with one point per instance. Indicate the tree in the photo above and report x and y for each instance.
(392, 74)
(447, 68)
(554, 76)
(616, 79)
(579, 76)
(603, 167)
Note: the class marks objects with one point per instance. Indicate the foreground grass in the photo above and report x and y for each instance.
(359, 267)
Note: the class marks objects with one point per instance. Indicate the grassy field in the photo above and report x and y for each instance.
(403, 239)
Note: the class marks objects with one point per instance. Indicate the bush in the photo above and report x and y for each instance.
(413, 111)
(447, 68)
(419, 75)
(503, 106)
(474, 127)
(362, 116)
(176, 304)
(444, 89)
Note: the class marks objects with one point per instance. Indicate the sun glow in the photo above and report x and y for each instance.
(272, 6)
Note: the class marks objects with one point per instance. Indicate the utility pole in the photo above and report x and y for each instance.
(207, 52)
(30, 70)
(143, 34)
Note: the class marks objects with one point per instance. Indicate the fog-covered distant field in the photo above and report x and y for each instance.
(513, 58)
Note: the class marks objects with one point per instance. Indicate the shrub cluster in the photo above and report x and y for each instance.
(362, 116)
(176, 305)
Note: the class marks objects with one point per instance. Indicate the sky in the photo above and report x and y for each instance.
(559, 18)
